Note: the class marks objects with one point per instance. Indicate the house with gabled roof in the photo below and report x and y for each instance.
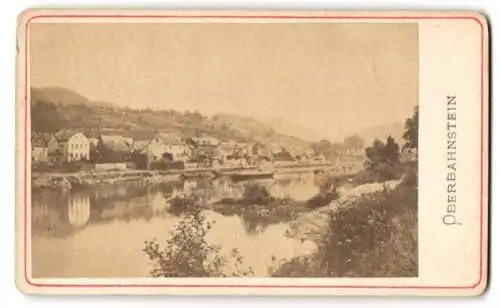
(72, 145)
(112, 149)
(172, 145)
(39, 148)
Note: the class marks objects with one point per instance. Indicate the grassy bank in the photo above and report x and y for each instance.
(374, 236)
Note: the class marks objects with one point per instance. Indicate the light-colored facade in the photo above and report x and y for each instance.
(169, 143)
(73, 146)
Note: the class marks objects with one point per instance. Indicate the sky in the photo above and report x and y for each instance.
(327, 78)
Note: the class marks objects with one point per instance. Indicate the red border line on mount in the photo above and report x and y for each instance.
(346, 17)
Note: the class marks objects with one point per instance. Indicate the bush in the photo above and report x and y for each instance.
(188, 254)
(182, 204)
(255, 193)
(411, 177)
(322, 199)
(388, 171)
(366, 238)
(380, 152)
(303, 266)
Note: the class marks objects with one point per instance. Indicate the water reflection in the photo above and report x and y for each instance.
(99, 232)
(78, 209)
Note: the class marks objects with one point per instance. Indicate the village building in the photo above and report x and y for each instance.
(164, 148)
(51, 142)
(233, 150)
(206, 141)
(72, 146)
(233, 154)
(170, 146)
(39, 148)
(141, 155)
(258, 150)
(112, 149)
(206, 149)
(282, 155)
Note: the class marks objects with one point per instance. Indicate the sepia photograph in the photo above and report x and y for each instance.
(224, 149)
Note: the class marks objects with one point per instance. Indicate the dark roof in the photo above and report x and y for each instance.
(64, 134)
(170, 138)
(206, 140)
(140, 146)
(116, 143)
(46, 136)
(38, 141)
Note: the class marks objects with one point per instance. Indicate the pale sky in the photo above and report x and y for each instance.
(331, 78)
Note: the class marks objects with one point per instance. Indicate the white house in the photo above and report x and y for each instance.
(73, 146)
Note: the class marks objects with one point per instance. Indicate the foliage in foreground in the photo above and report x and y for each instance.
(187, 253)
(376, 236)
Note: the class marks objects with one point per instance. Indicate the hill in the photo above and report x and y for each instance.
(65, 96)
(287, 127)
(56, 108)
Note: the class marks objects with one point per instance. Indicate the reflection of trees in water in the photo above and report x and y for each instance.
(253, 225)
(58, 212)
(144, 201)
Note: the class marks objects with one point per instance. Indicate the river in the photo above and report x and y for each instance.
(100, 231)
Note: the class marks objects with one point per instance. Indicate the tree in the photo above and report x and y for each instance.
(411, 132)
(381, 152)
(374, 153)
(188, 254)
(391, 150)
(354, 144)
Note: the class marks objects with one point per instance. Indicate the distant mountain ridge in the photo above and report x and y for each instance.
(287, 127)
(59, 95)
(56, 108)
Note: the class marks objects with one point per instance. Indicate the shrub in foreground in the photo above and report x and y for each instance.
(187, 254)
(376, 237)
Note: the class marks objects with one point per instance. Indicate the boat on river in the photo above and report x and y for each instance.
(244, 175)
(196, 175)
(252, 175)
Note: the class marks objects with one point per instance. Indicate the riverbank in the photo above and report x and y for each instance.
(369, 231)
(94, 177)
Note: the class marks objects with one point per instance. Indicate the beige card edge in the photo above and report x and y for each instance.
(25, 286)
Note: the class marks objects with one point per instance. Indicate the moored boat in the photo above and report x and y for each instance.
(197, 175)
(251, 175)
